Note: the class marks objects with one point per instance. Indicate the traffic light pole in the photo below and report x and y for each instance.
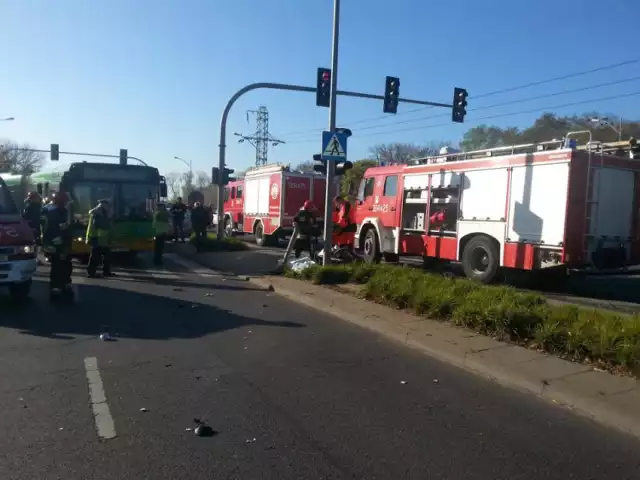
(102, 155)
(328, 203)
(292, 88)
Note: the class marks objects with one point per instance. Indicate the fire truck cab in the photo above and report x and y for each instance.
(527, 207)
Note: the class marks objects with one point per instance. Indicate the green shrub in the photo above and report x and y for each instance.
(499, 311)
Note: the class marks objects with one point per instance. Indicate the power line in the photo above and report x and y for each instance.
(502, 104)
(495, 92)
(509, 114)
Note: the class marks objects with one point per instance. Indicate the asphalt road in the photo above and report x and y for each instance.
(290, 392)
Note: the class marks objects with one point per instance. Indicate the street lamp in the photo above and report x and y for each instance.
(605, 121)
(187, 163)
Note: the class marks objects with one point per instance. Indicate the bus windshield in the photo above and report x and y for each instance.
(134, 199)
(7, 206)
(86, 195)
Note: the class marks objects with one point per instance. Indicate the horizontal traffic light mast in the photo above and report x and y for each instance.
(322, 76)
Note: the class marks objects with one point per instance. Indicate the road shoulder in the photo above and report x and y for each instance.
(608, 399)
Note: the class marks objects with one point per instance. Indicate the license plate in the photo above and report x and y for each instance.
(4, 258)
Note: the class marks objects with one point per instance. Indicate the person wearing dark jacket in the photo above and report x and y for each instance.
(178, 212)
(56, 241)
(199, 222)
(32, 213)
(305, 220)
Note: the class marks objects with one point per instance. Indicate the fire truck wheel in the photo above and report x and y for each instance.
(228, 228)
(371, 247)
(262, 240)
(480, 259)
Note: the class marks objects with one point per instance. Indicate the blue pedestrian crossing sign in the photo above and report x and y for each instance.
(334, 146)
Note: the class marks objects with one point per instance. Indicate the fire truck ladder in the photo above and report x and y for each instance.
(592, 197)
(491, 152)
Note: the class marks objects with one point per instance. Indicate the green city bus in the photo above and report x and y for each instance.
(132, 190)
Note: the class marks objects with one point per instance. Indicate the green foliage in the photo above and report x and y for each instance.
(499, 311)
(351, 180)
(547, 127)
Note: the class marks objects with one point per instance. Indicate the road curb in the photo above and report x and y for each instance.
(569, 384)
(607, 399)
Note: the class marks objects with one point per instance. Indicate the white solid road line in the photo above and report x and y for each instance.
(104, 421)
(192, 267)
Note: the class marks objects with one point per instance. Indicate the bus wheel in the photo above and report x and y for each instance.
(480, 259)
(371, 247)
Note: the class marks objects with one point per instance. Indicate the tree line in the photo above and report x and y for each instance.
(547, 127)
(18, 159)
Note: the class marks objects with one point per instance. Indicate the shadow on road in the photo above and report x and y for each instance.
(123, 314)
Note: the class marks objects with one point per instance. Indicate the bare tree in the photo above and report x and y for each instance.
(304, 167)
(402, 153)
(187, 183)
(173, 181)
(202, 180)
(19, 159)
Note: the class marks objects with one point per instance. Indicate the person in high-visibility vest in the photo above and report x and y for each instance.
(161, 229)
(98, 239)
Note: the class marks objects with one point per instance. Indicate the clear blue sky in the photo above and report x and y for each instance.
(153, 75)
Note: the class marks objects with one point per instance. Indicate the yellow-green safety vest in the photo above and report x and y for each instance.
(93, 232)
(161, 222)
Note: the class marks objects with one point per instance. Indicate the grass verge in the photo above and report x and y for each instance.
(594, 336)
(227, 244)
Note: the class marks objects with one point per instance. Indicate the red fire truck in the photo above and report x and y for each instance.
(265, 201)
(526, 207)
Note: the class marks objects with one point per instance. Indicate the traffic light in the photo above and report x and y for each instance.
(342, 167)
(226, 176)
(215, 176)
(459, 105)
(391, 95)
(55, 152)
(123, 156)
(323, 87)
(319, 164)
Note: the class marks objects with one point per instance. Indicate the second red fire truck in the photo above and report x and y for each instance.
(527, 207)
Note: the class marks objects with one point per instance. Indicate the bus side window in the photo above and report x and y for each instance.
(239, 193)
(233, 192)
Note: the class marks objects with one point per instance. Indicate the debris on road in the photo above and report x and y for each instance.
(403, 382)
(144, 410)
(251, 440)
(208, 294)
(105, 337)
(202, 429)
(435, 380)
(270, 288)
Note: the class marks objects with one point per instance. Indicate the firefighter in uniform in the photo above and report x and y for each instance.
(343, 221)
(305, 220)
(98, 239)
(56, 242)
(161, 230)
